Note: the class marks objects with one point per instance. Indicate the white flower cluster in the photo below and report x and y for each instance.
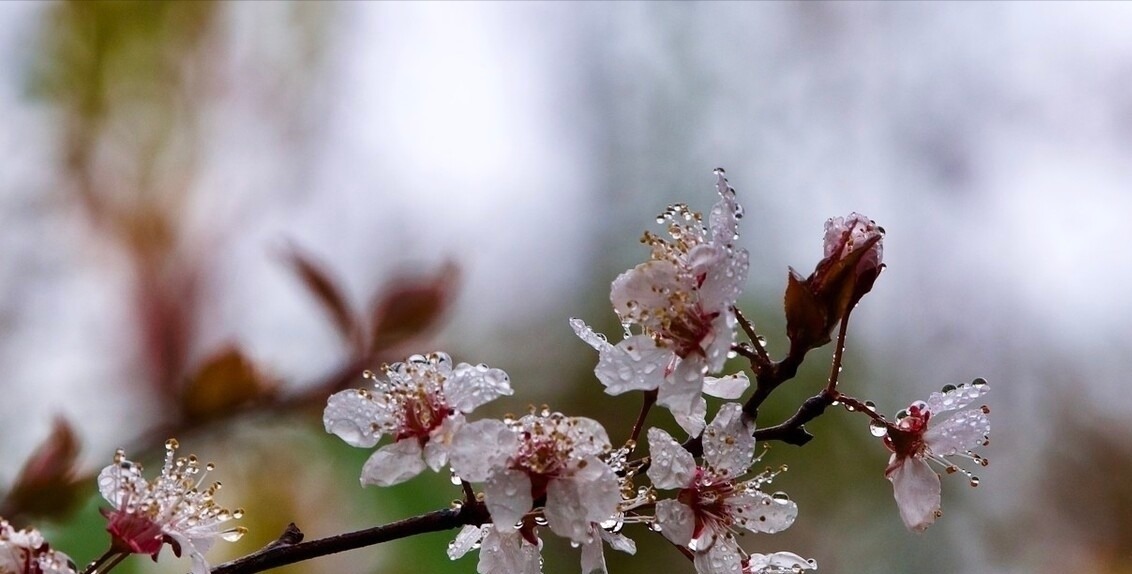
(25, 551)
(550, 471)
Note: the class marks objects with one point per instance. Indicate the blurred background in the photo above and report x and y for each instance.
(213, 214)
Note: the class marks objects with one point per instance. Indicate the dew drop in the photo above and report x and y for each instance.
(456, 479)
(233, 534)
(172, 444)
(979, 382)
(948, 388)
(974, 481)
(871, 406)
(878, 429)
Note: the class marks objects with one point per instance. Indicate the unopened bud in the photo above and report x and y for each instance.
(852, 262)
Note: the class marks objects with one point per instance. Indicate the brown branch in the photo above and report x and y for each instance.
(288, 549)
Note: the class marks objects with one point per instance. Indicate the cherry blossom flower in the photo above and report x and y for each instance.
(541, 456)
(25, 552)
(681, 300)
(170, 509)
(501, 551)
(421, 403)
(920, 437)
(712, 501)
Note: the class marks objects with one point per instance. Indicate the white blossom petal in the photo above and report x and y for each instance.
(471, 386)
(672, 466)
(394, 463)
(120, 481)
(916, 488)
(717, 345)
(729, 444)
(593, 556)
(439, 444)
(760, 512)
(959, 433)
(779, 562)
(644, 287)
(676, 521)
(507, 552)
(507, 495)
(356, 417)
(722, 557)
(729, 387)
(480, 447)
(634, 364)
(618, 541)
(194, 550)
(589, 437)
(693, 421)
(681, 393)
(590, 495)
(465, 541)
(956, 398)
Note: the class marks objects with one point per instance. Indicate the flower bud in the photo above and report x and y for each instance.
(852, 262)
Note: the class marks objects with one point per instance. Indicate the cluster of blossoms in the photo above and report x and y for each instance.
(172, 509)
(549, 471)
(144, 516)
(25, 552)
(681, 300)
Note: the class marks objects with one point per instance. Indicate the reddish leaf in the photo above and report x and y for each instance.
(46, 485)
(409, 308)
(226, 382)
(325, 290)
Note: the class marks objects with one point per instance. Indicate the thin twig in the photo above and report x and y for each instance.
(284, 554)
(649, 401)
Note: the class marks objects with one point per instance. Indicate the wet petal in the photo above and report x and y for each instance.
(394, 463)
(721, 558)
(729, 387)
(439, 444)
(507, 494)
(960, 433)
(681, 393)
(480, 447)
(760, 512)
(507, 552)
(779, 562)
(634, 364)
(465, 541)
(729, 444)
(643, 288)
(473, 385)
(916, 488)
(574, 502)
(677, 522)
(356, 416)
(672, 465)
(593, 556)
(956, 398)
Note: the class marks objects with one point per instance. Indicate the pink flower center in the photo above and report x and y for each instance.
(421, 414)
(134, 533)
(708, 502)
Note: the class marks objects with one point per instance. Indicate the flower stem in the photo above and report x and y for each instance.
(650, 400)
(111, 553)
(838, 353)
